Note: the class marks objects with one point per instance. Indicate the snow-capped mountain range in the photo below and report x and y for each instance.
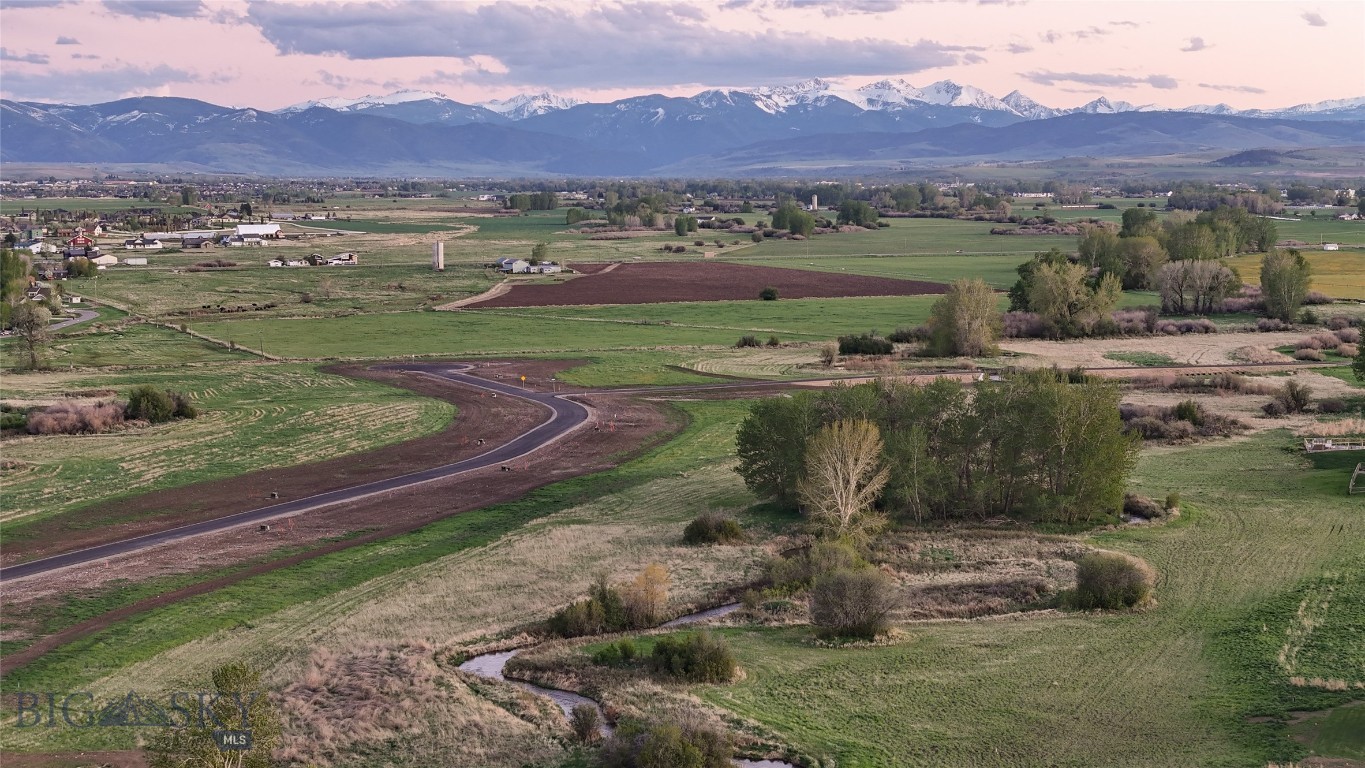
(890, 95)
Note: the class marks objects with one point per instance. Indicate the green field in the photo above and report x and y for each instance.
(559, 329)
(1170, 686)
(133, 345)
(253, 417)
(1339, 274)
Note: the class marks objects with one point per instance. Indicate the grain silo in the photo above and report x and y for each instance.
(438, 257)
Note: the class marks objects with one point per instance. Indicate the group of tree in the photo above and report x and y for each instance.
(533, 201)
(791, 217)
(612, 608)
(1192, 196)
(1031, 445)
(857, 213)
(1070, 297)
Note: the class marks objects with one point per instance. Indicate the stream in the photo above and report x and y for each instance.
(491, 666)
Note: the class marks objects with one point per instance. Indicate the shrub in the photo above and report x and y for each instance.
(695, 658)
(828, 355)
(1308, 317)
(688, 744)
(1189, 410)
(864, 344)
(646, 598)
(13, 420)
(1348, 350)
(619, 653)
(1310, 354)
(802, 568)
(773, 341)
(1337, 322)
(757, 236)
(1112, 581)
(748, 341)
(150, 404)
(1331, 405)
(604, 610)
(586, 723)
(907, 335)
(768, 294)
(1348, 335)
(713, 528)
(1137, 505)
(853, 603)
(1173, 500)
(1273, 409)
(1295, 397)
(306, 298)
(68, 418)
(1317, 297)
(699, 243)
(184, 409)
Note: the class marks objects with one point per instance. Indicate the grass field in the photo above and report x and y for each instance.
(253, 417)
(1339, 274)
(557, 329)
(1170, 686)
(131, 345)
(445, 581)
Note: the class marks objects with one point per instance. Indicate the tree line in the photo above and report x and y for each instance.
(1038, 445)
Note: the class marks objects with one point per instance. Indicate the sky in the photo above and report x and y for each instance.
(269, 54)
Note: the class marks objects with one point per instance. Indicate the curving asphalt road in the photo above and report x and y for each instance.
(565, 416)
(82, 315)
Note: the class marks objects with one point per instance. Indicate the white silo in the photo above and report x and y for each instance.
(438, 257)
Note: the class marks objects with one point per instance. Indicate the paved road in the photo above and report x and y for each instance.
(82, 316)
(565, 416)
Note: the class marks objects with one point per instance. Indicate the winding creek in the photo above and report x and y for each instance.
(491, 666)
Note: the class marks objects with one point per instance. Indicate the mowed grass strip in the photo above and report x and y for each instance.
(252, 417)
(1174, 685)
(146, 651)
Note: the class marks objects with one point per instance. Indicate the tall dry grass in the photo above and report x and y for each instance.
(1337, 428)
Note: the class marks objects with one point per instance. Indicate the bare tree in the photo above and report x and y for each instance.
(31, 322)
(844, 475)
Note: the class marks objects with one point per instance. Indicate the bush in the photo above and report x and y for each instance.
(1331, 405)
(801, 569)
(1308, 317)
(689, 744)
(306, 298)
(699, 243)
(1137, 505)
(748, 341)
(1294, 397)
(853, 603)
(1112, 581)
(604, 610)
(13, 420)
(768, 294)
(908, 335)
(1317, 297)
(1189, 410)
(150, 404)
(184, 409)
(864, 344)
(617, 654)
(713, 528)
(1267, 324)
(1348, 335)
(68, 418)
(773, 341)
(695, 658)
(586, 723)
(1173, 500)
(1348, 350)
(1309, 354)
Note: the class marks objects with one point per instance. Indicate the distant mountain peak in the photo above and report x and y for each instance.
(525, 105)
(343, 104)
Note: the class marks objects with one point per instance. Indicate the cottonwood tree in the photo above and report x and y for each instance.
(1195, 287)
(771, 445)
(1142, 257)
(844, 475)
(30, 321)
(1284, 283)
(1061, 295)
(646, 598)
(965, 321)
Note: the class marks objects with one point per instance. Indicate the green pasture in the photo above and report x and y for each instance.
(1175, 685)
(123, 345)
(558, 329)
(1339, 274)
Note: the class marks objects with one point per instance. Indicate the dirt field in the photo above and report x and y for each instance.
(659, 282)
(1190, 349)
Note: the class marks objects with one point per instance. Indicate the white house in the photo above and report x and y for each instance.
(275, 263)
(513, 266)
(142, 244)
(547, 268)
(271, 231)
(104, 260)
(1331, 247)
(343, 260)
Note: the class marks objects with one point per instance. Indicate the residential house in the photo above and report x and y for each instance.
(547, 268)
(343, 260)
(197, 243)
(142, 243)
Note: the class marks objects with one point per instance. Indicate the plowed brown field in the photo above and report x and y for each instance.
(659, 282)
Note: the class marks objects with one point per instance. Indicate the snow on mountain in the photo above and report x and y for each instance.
(949, 94)
(525, 105)
(1210, 109)
(1333, 105)
(1028, 108)
(1103, 106)
(774, 99)
(342, 104)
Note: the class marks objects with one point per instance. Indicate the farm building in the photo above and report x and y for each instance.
(259, 231)
(547, 268)
(513, 266)
(136, 261)
(343, 260)
(104, 261)
(1331, 247)
(197, 243)
(275, 263)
